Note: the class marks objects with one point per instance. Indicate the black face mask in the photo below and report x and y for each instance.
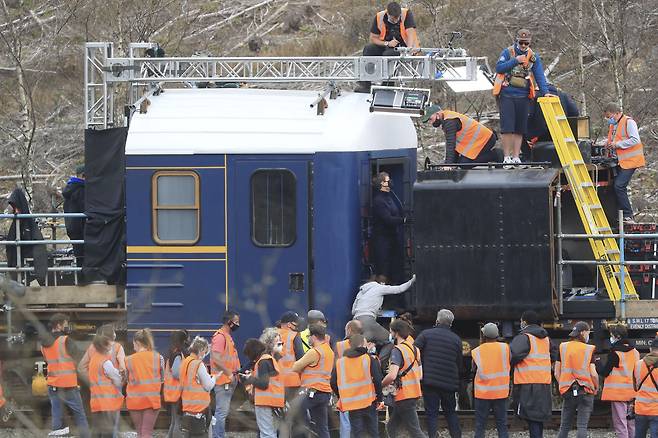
(233, 326)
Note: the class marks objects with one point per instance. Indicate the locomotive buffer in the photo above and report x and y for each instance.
(587, 200)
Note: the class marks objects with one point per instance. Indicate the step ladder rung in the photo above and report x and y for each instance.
(569, 140)
(577, 162)
(561, 117)
(612, 251)
(586, 184)
(595, 207)
(602, 229)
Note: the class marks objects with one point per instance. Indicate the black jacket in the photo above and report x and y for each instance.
(386, 214)
(74, 202)
(28, 231)
(441, 354)
(605, 368)
(375, 372)
(520, 346)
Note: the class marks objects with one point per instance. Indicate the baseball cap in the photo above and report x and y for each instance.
(490, 330)
(581, 326)
(429, 112)
(523, 35)
(316, 315)
(290, 316)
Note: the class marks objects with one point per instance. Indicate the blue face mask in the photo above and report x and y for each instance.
(612, 121)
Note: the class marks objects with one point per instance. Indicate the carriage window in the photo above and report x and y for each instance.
(273, 207)
(176, 207)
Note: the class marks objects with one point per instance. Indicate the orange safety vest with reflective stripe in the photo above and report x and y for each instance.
(646, 398)
(2, 398)
(618, 386)
(195, 398)
(502, 79)
(355, 387)
(274, 395)
(144, 380)
(229, 358)
(472, 137)
(575, 360)
(172, 387)
(341, 346)
(104, 396)
(629, 158)
(536, 366)
(411, 381)
(381, 25)
(61, 366)
(493, 370)
(318, 376)
(290, 378)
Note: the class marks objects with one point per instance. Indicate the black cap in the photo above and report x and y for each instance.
(290, 316)
(581, 326)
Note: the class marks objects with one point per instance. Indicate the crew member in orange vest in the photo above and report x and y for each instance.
(58, 350)
(315, 368)
(393, 27)
(197, 384)
(3, 401)
(105, 384)
(577, 379)
(267, 383)
(145, 373)
(491, 364)
(531, 360)
(353, 327)
(624, 139)
(225, 362)
(293, 350)
(645, 378)
(467, 140)
(172, 386)
(404, 373)
(618, 384)
(519, 79)
(117, 354)
(357, 380)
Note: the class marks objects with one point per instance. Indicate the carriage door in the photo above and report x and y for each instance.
(268, 238)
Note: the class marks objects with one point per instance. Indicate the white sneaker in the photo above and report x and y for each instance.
(507, 160)
(516, 160)
(59, 432)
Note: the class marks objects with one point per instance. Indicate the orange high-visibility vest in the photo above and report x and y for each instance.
(195, 398)
(355, 387)
(618, 386)
(341, 346)
(229, 358)
(575, 358)
(502, 79)
(61, 366)
(318, 376)
(381, 25)
(104, 395)
(290, 378)
(646, 398)
(472, 137)
(144, 380)
(172, 388)
(2, 398)
(536, 366)
(493, 370)
(274, 395)
(410, 382)
(630, 158)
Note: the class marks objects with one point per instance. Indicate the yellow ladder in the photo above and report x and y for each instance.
(586, 198)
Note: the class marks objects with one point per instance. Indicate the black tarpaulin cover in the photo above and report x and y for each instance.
(105, 163)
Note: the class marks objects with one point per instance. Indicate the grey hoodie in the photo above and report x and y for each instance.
(371, 297)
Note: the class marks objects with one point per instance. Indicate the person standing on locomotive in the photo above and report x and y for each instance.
(224, 361)
(74, 202)
(624, 138)
(387, 236)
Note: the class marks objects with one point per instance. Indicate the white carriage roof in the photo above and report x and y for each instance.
(259, 121)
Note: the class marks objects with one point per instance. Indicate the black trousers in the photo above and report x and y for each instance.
(363, 422)
(375, 50)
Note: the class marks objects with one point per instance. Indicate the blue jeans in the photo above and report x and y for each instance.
(364, 423)
(577, 407)
(60, 397)
(644, 423)
(344, 424)
(223, 395)
(621, 184)
(535, 429)
(435, 398)
(266, 421)
(482, 409)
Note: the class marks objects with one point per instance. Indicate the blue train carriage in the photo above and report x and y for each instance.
(247, 199)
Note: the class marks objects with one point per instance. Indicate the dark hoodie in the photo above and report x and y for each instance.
(74, 202)
(605, 368)
(375, 372)
(520, 345)
(28, 231)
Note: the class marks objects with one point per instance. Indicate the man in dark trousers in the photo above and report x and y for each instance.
(74, 202)
(441, 354)
(393, 27)
(387, 220)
